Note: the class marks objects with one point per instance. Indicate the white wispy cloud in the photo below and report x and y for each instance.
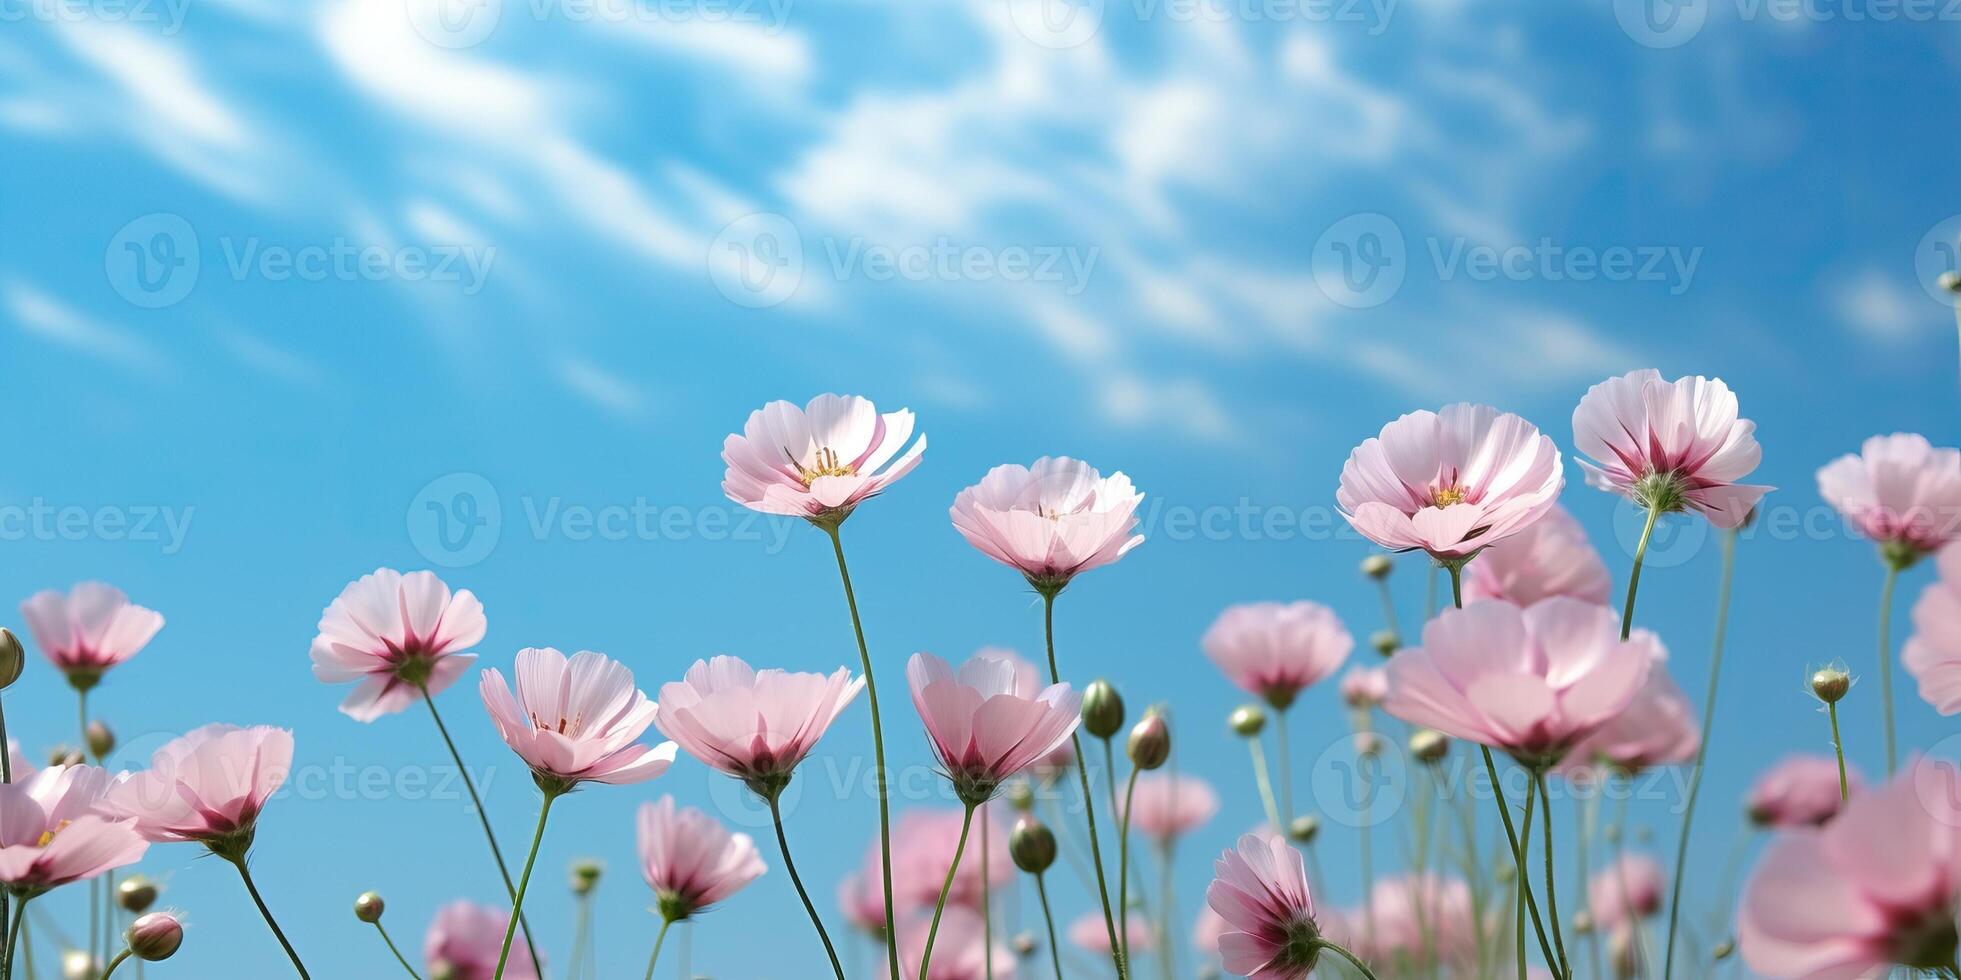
(1876, 306)
(600, 388)
(41, 315)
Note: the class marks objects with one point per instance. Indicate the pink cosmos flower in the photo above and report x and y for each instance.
(1800, 791)
(207, 786)
(1420, 920)
(51, 835)
(1090, 933)
(861, 896)
(575, 720)
(923, 844)
(690, 860)
(1167, 806)
(1274, 650)
(1552, 557)
(398, 635)
(960, 950)
(91, 629)
(818, 462)
(986, 723)
(1450, 483)
(465, 939)
(1052, 520)
(1364, 687)
(1532, 682)
(755, 725)
(1659, 728)
(1933, 654)
(1878, 885)
(1899, 491)
(1260, 889)
(1669, 445)
(1626, 891)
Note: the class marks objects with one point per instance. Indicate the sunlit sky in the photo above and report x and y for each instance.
(281, 275)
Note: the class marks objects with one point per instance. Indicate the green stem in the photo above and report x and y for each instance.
(524, 884)
(1350, 957)
(1886, 660)
(483, 816)
(783, 844)
(95, 884)
(659, 938)
(399, 958)
(1552, 888)
(1167, 897)
(266, 913)
(1634, 576)
(878, 755)
(1589, 820)
(1089, 801)
(1388, 605)
(1266, 786)
(1838, 746)
(1522, 878)
(987, 903)
(933, 931)
(6, 776)
(13, 937)
(1701, 752)
(1123, 861)
(1284, 768)
(581, 927)
(118, 961)
(1055, 950)
(1367, 855)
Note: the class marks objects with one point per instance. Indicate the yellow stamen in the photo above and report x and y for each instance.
(1445, 496)
(47, 836)
(828, 464)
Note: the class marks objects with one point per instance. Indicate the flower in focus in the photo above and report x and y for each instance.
(1659, 728)
(1167, 806)
(1450, 483)
(690, 860)
(399, 635)
(1090, 933)
(1260, 889)
(755, 725)
(1550, 558)
(207, 786)
(51, 834)
(465, 939)
(818, 462)
(1933, 654)
(1877, 885)
(153, 937)
(987, 723)
(575, 720)
(960, 950)
(1051, 520)
(1625, 892)
(1363, 688)
(1274, 650)
(1669, 445)
(1800, 791)
(91, 629)
(1532, 682)
(1899, 491)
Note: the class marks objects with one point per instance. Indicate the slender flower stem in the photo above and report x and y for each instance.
(1702, 751)
(6, 776)
(95, 884)
(659, 938)
(1838, 746)
(1284, 768)
(933, 932)
(1589, 819)
(1167, 956)
(1634, 576)
(1048, 919)
(118, 961)
(1388, 605)
(523, 884)
(1367, 854)
(13, 938)
(266, 913)
(1886, 659)
(878, 755)
(483, 817)
(1266, 785)
(581, 929)
(399, 958)
(1089, 801)
(1350, 957)
(1123, 861)
(1552, 888)
(783, 844)
(987, 903)
(1523, 878)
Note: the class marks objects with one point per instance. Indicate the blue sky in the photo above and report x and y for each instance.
(284, 273)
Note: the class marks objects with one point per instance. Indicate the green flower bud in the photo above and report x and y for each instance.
(101, 739)
(1429, 747)
(1246, 720)
(1150, 742)
(1304, 829)
(136, 893)
(1830, 684)
(585, 874)
(1031, 844)
(1102, 709)
(1377, 566)
(12, 658)
(1385, 642)
(369, 906)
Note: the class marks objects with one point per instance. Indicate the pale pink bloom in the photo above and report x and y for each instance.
(208, 786)
(1207, 930)
(1090, 933)
(1274, 650)
(1933, 654)
(861, 896)
(1532, 682)
(1051, 520)
(51, 834)
(1051, 767)
(1450, 483)
(1800, 791)
(755, 725)
(1626, 891)
(18, 762)
(1364, 687)
(1877, 885)
(1552, 557)
(1898, 491)
(986, 723)
(465, 940)
(960, 948)
(1166, 806)
(1671, 445)
(818, 462)
(690, 860)
(1260, 889)
(924, 841)
(1421, 919)
(575, 720)
(398, 635)
(91, 629)
(1659, 728)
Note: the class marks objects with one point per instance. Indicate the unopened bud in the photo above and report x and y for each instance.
(1506, 873)
(1368, 745)
(1031, 844)
(1429, 747)
(12, 658)
(1102, 709)
(1024, 943)
(78, 965)
(1246, 720)
(101, 739)
(1582, 922)
(155, 936)
(62, 755)
(1150, 742)
(1377, 566)
(1830, 684)
(1951, 281)
(1304, 829)
(1725, 948)
(443, 970)
(136, 894)
(1021, 797)
(1385, 642)
(585, 874)
(368, 907)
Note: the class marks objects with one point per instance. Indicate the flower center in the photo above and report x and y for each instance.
(826, 464)
(564, 726)
(47, 836)
(1445, 496)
